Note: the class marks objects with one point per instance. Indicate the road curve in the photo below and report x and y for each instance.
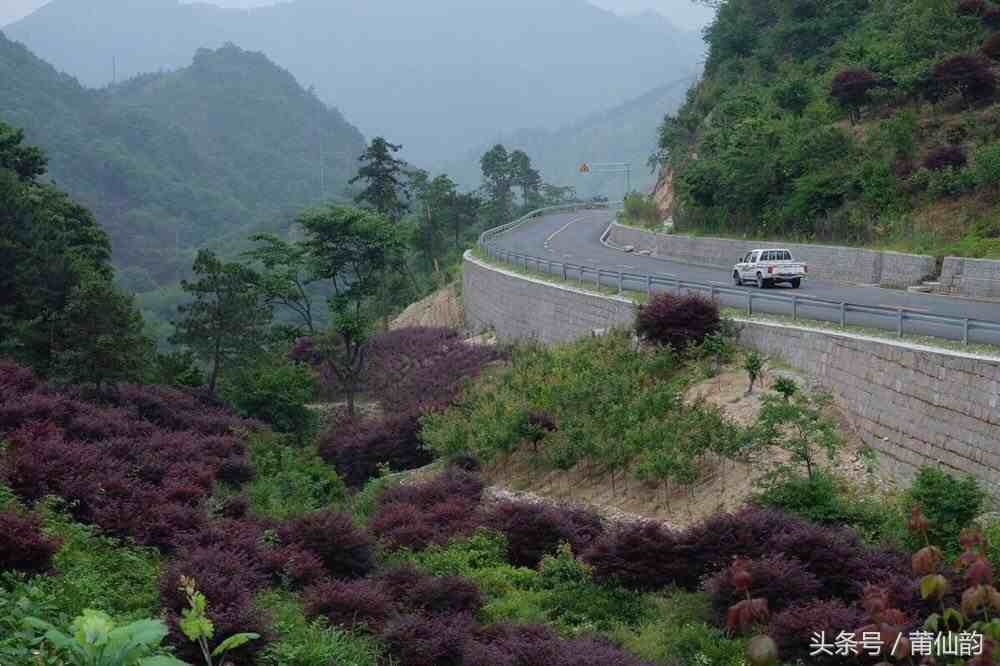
(574, 237)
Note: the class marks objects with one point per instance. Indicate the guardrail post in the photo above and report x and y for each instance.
(597, 280)
(581, 276)
(563, 271)
(649, 285)
(843, 315)
(621, 282)
(899, 323)
(795, 308)
(548, 271)
(965, 331)
(749, 304)
(713, 292)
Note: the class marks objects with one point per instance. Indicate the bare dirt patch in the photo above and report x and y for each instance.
(442, 309)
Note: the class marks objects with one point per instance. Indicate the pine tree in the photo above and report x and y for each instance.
(383, 173)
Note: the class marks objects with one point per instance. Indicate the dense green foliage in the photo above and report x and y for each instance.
(290, 480)
(91, 571)
(59, 310)
(173, 161)
(813, 120)
(949, 502)
(643, 426)
(276, 392)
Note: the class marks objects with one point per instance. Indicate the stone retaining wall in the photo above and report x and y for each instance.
(914, 405)
(972, 278)
(830, 262)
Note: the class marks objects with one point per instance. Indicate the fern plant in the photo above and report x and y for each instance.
(94, 640)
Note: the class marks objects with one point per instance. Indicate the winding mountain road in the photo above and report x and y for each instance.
(574, 237)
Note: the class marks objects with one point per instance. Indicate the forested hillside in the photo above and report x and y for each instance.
(858, 121)
(176, 161)
(620, 134)
(440, 76)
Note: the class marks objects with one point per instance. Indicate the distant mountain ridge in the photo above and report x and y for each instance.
(436, 76)
(176, 161)
(620, 134)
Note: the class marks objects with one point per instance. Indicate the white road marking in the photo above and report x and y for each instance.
(563, 228)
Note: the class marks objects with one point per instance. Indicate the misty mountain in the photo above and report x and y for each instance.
(175, 161)
(437, 76)
(621, 134)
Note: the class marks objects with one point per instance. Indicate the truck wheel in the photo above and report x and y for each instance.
(736, 279)
(796, 283)
(761, 282)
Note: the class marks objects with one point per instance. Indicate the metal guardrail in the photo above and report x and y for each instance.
(901, 320)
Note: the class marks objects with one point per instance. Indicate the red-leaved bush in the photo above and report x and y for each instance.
(408, 369)
(431, 511)
(535, 530)
(969, 75)
(971, 7)
(23, 547)
(417, 640)
(642, 556)
(991, 47)
(421, 367)
(793, 628)
(350, 603)
(677, 320)
(345, 549)
(140, 462)
(781, 581)
(943, 157)
(357, 446)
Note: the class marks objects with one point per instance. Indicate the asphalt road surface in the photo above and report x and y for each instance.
(574, 238)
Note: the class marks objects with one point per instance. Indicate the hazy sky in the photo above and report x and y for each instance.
(682, 13)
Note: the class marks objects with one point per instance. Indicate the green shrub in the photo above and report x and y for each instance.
(640, 210)
(275, 392)
(90, 572)
(987, 167)
(313, 643)
(290, 480)
(823, 500)
(365, 501)
(575, 604)
(946, 182)
(677, 631)
(949, 503)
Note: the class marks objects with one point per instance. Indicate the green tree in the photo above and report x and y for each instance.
(383, 173)
(800, 426)
(49, 243)
(793, 95)
(525, 177)
(285, 276)
(228, 316)
(101, 335)
(356, 251)
(498, 182)
(445, 215)
(275, 391)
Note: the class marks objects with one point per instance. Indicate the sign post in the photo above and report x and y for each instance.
(610, 167)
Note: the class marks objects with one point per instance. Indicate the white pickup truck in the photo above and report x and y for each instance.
(764, 268)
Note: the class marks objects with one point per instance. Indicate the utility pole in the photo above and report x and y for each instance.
(114, 70)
